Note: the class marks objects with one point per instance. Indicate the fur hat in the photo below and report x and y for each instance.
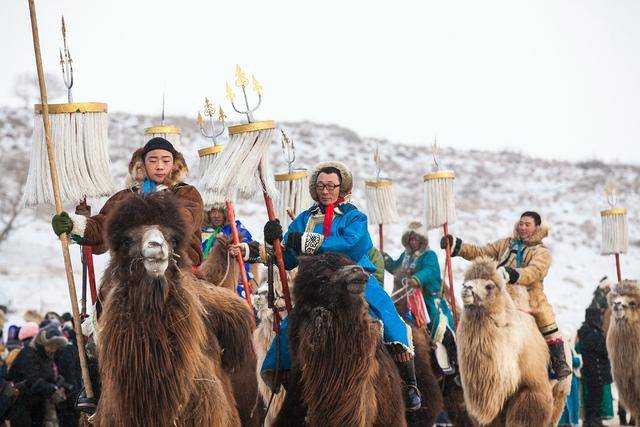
(28, 330)
(51, 336)
(418, 230)
(137, 172)
(346, 178)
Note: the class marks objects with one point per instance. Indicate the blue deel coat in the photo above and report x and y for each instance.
(350, 237)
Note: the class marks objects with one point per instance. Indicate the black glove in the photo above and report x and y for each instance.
(294, 241)
(509, 274)
(272, 231)
(455, 243)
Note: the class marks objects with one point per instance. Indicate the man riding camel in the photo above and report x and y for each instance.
(333, 224)
(419, 265)
(523, 260)
(155, 167)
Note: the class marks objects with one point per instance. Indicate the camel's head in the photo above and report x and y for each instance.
(329, 278)
(148, 231)
(482, 285)
(624, 301)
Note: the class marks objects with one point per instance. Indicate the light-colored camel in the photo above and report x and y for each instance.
(623, 343)
(503, 357)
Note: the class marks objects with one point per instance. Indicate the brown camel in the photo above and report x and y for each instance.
(440, 391)
(174, 350)
(341, 375)
(503, 357)
(623, 343)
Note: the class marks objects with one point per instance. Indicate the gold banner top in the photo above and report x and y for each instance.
(251, 127)
(162, 129)
(296, 174)
(386, 183)
(619, 211)
(75, 107)
(439, 175)
(210, 150)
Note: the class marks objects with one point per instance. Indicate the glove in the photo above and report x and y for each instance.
(294, 241)
(414, 283)
(10, 390)
(58, 396)
(509, 274)
(61, 223)
(272, 231)
(455, 243)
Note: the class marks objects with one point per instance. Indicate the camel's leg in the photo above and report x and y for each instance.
(294, 410)
(529, 407)
(427, 383)
(453, 397)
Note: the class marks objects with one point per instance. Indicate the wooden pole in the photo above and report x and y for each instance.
(380, 236)
(618, 268)
(452, 295)
(64, 239)
(236, 241)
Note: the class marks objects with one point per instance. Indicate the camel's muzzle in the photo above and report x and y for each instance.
(618, 310)
(468, 296)
(355, 277)
(155, 251)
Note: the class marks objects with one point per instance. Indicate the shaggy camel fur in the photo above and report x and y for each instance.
(219, 268)
(503, 357)
(174, 350)
(623, 343)
(342, 375)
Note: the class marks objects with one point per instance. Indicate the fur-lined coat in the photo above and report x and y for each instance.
(93, 229)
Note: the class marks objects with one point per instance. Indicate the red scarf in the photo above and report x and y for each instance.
(328, 216)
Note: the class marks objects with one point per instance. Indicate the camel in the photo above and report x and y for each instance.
(174, 350)
(442, 391)
(341, 374)
(503, 357)
(623, 343)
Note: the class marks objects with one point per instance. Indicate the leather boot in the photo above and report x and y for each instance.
(558, 361)
(412, 397)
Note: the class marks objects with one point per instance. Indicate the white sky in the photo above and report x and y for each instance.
(554, 78)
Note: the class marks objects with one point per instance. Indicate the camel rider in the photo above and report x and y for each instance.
(155, 167)
(420, 265)
(523, 260)
(334, 225)
(216, 223)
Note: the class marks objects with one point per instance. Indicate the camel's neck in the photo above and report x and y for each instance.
(149, 354)
(337, 352)
(623, 343)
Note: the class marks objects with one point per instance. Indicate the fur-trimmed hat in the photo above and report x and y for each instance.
(418, 230)
(28, 330)
(51, 336)
(346, 178)
(137, 172)
(158, 143)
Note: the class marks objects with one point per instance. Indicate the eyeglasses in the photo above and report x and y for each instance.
(329, 187)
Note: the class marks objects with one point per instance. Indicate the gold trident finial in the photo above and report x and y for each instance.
(208, 108)
(230, 95)
(64, 40)
(256, 86)
(241, 78)
(221, 115)
(610, 192)
(199, 119)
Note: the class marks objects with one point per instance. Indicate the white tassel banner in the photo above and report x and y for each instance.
(293, 194)
(80, 144)
(208, 161)
(381, 202)
(439, 199)
(170, 133)
(243, 165)
(615, 232)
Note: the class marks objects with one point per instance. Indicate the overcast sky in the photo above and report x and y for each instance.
(556, 79)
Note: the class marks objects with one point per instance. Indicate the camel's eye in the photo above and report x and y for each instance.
(632, 304)
(489, 286)
(126, 242)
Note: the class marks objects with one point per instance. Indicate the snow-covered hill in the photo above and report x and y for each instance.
(492, 189)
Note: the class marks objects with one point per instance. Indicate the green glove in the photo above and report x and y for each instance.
(61, 223)
(58, 396)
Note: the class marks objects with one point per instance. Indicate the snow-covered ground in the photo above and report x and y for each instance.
(492, 189)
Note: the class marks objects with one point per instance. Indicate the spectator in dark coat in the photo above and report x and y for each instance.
(35, 368)
(596, 369)
(68, 363)
(8, 394)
